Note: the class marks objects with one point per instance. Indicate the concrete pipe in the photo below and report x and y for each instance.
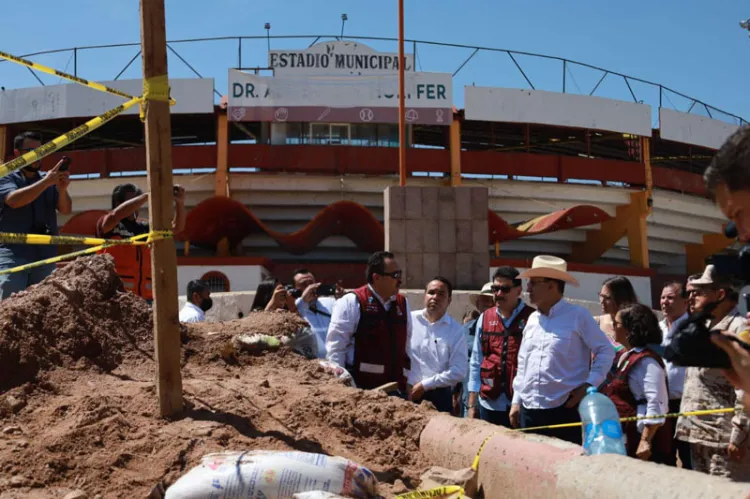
(522, 465)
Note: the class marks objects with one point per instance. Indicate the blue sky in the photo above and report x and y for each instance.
(695, 47)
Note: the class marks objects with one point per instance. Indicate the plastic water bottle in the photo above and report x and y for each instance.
(602, 432)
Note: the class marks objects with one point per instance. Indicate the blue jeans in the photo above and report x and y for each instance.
(18, 281)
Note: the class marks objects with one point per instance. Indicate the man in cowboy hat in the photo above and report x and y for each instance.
(554, 362)
(494, 359)
(480, 301)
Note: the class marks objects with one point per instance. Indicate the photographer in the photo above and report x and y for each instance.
(29, 202)
(133, 263)
(314, 303)
(719, 442)
(727, 181)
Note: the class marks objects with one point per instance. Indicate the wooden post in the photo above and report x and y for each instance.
(401, 98)
(222, 155)
(455, 147)
(161, 209)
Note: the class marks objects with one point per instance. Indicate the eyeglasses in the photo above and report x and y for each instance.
(396, 274)
(505, 289)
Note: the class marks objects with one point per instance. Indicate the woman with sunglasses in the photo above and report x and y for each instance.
(637, 383)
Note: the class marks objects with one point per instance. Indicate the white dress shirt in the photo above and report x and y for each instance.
(318, 313)
(648, 381)
(675, 374)
(438, 352)
(555, 356)
(344, 322)
(192, 313)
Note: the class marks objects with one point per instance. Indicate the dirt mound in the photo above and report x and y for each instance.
(77, 313)
(82, 427)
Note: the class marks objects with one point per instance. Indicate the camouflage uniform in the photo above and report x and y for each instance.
(710, 436)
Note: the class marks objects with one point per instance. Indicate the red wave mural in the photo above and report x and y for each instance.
(569, 218)
(219, 217)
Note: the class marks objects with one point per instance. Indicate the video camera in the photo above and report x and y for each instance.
(691, 344)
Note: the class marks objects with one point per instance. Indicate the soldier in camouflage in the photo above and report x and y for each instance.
(719, 443)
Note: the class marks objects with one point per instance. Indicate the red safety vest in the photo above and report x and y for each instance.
(616, 387)
(500, 352)
(380, 342)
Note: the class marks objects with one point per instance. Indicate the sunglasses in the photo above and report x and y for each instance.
(396, 275)
(504, 289)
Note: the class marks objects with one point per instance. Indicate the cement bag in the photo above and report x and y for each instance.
(272, 475)
(339, 372)
(302, 341)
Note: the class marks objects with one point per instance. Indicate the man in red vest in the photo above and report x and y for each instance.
(494, 358)
(370, 326)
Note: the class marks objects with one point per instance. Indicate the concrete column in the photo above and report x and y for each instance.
(439, 231)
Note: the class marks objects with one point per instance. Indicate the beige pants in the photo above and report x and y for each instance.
(715, 461)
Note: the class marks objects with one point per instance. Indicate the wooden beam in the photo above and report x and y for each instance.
(696, 254)
(646, 158)
(630, 221)
(222, 155)
(455, 146)
(159, 165)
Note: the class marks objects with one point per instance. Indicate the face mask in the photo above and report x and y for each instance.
(206, 304)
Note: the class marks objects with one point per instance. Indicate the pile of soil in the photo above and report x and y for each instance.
(77, 314)
(85, 417)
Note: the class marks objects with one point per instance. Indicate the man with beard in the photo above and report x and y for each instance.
(436, 348)
(29, 202)
(198, 302)
(494, 358)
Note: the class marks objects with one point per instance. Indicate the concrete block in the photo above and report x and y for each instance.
(395, 235)
(413, 235)
(464, 271)
(413, 203)
(446, 203)
(479, 235)
(448, 266)
(464, 238)
(479, 203)
(413, 270)
(394, 203)
(463, 202)
(447, 236)
(430, 203)
(480, 268)
(430, 265)
(430, 235)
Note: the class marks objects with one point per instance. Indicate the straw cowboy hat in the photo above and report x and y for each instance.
(711, 277)
(550, 267)
(486, 291)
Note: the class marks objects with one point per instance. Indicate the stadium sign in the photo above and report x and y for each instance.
(337, 58)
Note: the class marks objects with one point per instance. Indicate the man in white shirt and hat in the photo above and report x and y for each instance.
(555, 365)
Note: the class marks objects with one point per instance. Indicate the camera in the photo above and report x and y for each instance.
(293, 292)
(326, 290)
(65, 164)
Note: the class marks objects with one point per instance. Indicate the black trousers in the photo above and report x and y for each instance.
(501, 418)
(679, 448)
(531, 418)
(441, 398)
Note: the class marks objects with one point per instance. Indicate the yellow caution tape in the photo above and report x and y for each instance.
(635, 418)
(148, 237)
(75, 79)
(475, 463)
(65, 139)
(436, 492)
(155, 88)
(16, 238)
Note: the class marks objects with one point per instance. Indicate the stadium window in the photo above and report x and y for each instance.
(217, 281)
